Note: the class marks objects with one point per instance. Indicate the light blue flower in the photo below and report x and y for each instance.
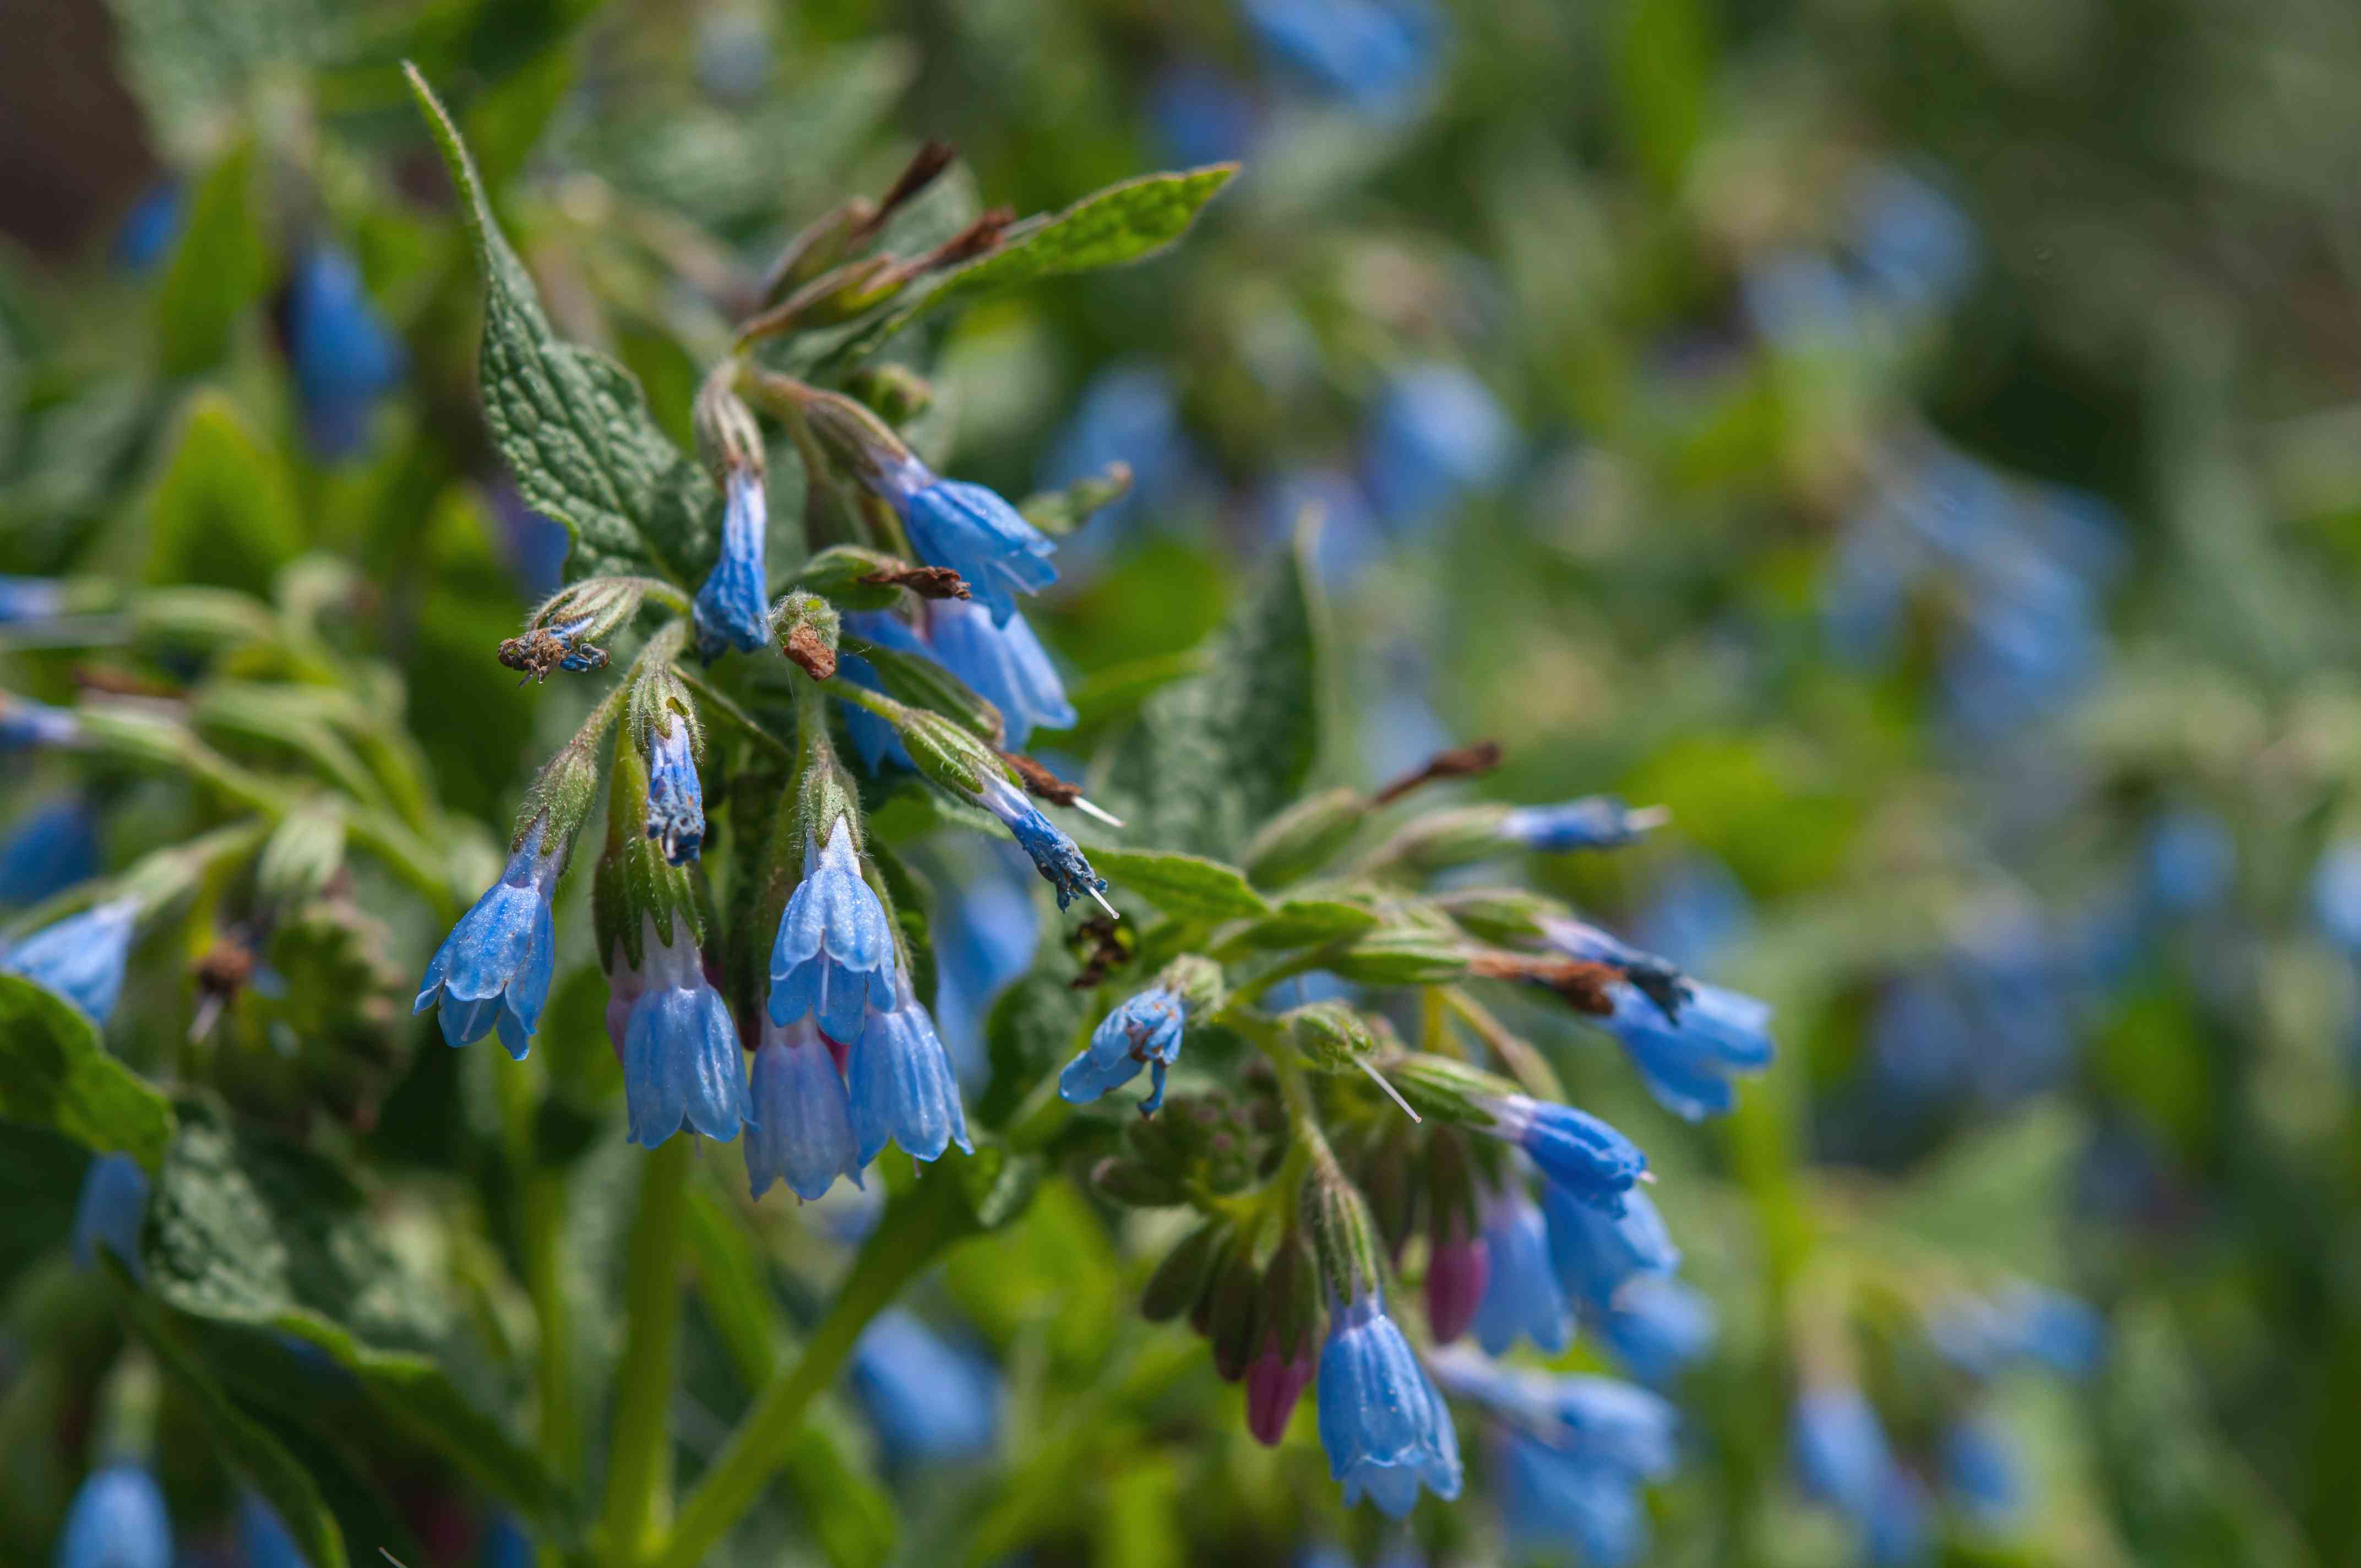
(733, 606)
(2189, 858)
(1687, 1064)
(901, 1086)
(494, 968)
(1596, 1250)
(54, 847)
(1128, 413)
(25, 600)
(1986, 1335)
(1201, 115)
(81, 957)
(26, 725)
(110, 1210)
(1657, 1327)
(1696, 913)
(1840, 1449)
(1983, 1469)
(1056, 856)
(834, 954)
(1522, 1297)
(675, 797)
(985, 930)
(1565, 1508)
(1896, 1534)
(1593, 822)
(1380, 58)
(1436, 434)
(2335, 893)
(1602, 1421)
(682, 1064)
(802, 1132)
(262, 1539)
(343, 358)
(1143, 1031)
(1382, 1422)
(929, 1400)
(152, 227)
(1003, 663)
(117, 1520)
(1914, 246)
(975, 532)
(1797, 298)
(1576, 1150)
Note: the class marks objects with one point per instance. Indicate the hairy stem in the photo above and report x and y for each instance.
(639, 1468)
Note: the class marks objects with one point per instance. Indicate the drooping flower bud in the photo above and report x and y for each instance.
(1335, 1221)
(1458, 1258)
(494, 969)
(81, 957)
(663, 722)
(802, 1131)
(1303, 838)
(896, 393)
(1286, 1332)
(733, 606)
(1233, 1303)
(1179, 1282)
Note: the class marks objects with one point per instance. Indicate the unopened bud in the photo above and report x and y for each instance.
(1304, 838)
(858, 439)
(1137, 1185)
(1058, 512)
(1448, 1090)
(946, 752)
(1442, 839)
(1407, 954)
(919, 681)
(1179, 1280)
(897, 393)
(807, 627)
(1458, 1262)
(1335, 1220)
(1331, 1035)
(1196, 981)
(560, 798)
(1499, 914)
(1289, 1321)
(1388, 1177)
(729, 438)
(1234, 1298)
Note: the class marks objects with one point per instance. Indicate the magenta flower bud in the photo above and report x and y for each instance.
(1456, 1277)
(1274, 1382)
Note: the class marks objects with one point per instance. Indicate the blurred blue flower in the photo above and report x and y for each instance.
(675, 797)
(1201, 115)
(535, 545)
(2336, 894)
(1575, 1151)
(975, 532)
(25, 599)
(1896, 1533)
(2189, 858)
(1522, 1297)
(1005, 664)
(733, 605)
(152, 228)
(344, 357)
(802, 1129)
(109, 1212)
(1348, 538)
(494, 968)
(1128, 414)
(506, 1544)
(52, 848)
(117, 1520)
(1698, 910)
(900, 1084)
(26, 725)
(1840, 1449)
(262, 1539)
(1797, 298)
(1381, 58)
(1983, 1469)
(1144, 1030)
(1436, 434)
(929, 1400)
(682, 1067)
(834, 954)
(1383, 1423)
(1602, 1421)
(81, 957)
(1593, 822)
(733, 56)
(1986, 1335)
(1914, 246)
(1687, 1064)
(984, 933)
(1563, 1507)
(1596, 1250)
(1657, 1327)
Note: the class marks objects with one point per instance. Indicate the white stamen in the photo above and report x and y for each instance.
(1647, 818)
(1395, 1094)
(1110, 818)
(1112, 913)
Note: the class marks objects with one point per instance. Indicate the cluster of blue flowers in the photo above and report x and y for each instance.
(119, 1520)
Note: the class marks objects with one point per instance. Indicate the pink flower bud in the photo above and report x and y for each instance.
(1273, 1385)
(1456, 1277)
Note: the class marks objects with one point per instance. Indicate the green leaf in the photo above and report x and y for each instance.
(247, 1230)
(1123, 223)
(1189, 886)
(55, 1074)
(1308, 922)
(998, 1185)
(243, 1443)
(572, 423)
(1033, 1028)
(222, 267)
(1213, 756)
(848, 1509)
(223, 513)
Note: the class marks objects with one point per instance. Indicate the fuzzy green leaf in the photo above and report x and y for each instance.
(221, 267)
(55, 1074)
(1308, 922)
(1189, 886)
(572, 423)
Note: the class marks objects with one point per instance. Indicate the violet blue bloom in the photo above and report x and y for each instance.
(1143, 1031)
(733, 606)
(343, 355)
(1896, 1534)
(1840, 1449)
(1574, 1150)
(1055, 855)
(1563, 1506)
(262, 1539)
(675, 797)
(1657, 1327)
(152, 227)
(834, 954)
(900, 1084)
(973, 531)
(1379, 58)
(494, 970)
(1522, 1293)
(802, 1118)
(81, 957)
(1593, 822)
(1436, 433)
(26, 725)
(929, 1399)
(54, 847)
(1985, 1469)
(25, 600)
(1004, 664)
(1596, 1250)
(682, 1064)
(110, 1210)
(117, 1520)
(1382, 1421)
(1687, 1064)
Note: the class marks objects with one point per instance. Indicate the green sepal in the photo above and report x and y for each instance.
(838, 573)
(1304, 838)
(1288, 1320)
(1336, 1219)
(1179, 1280)
(1330, 1036)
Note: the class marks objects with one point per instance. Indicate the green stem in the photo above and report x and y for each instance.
(639, 1470)
(712, 698)
(918, 1225)
(540, 1199)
